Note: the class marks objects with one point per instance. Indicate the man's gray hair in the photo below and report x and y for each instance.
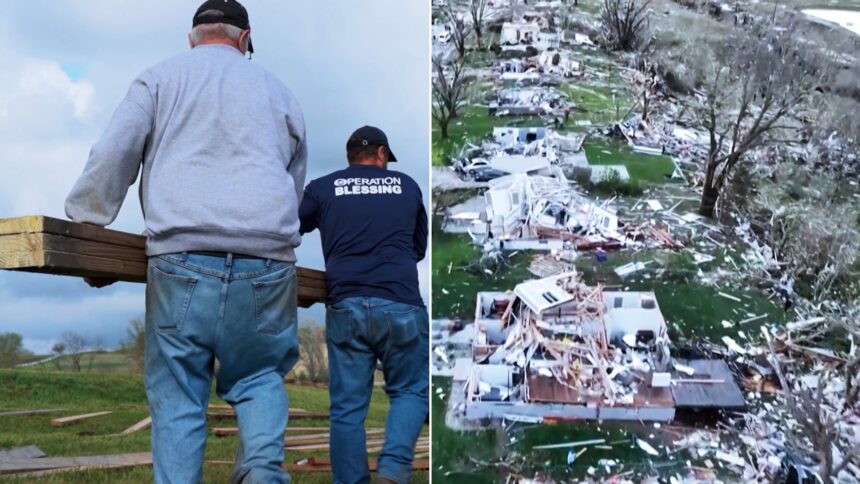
(205, 32)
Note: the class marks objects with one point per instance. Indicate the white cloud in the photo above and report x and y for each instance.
(40, 99)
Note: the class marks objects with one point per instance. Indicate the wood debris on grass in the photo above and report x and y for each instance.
(294, 414)
(28, 452)
(63, 421)
(143, 424)
(40, 466)
(225, 431)
(14, 413)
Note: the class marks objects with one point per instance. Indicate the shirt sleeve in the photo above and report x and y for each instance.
(419, 238)
(298, 163)
(114, 160)
(309, 211)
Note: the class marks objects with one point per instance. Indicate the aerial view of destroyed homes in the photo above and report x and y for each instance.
(645, 241)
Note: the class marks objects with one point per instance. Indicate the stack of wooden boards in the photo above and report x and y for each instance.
(52, 246)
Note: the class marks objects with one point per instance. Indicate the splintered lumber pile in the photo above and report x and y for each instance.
(53, 246)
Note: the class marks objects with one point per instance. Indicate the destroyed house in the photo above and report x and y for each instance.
(507, 136)
(556, 348)
(515, 33)
(548, 40)
(536, 208)
(441, 32)
(527, 101)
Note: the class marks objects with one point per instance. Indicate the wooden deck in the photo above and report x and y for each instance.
(707, 395)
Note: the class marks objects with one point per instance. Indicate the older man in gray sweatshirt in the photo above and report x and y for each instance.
(220, 146)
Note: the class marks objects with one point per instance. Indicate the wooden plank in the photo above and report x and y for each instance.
(55, 463)
(52, 246)
(323, 438)
(62, 422)
(40, 224)
(225, 431)
(302, 272)
(311, 293)
(323, 464)
(293, 414)
(12, 413)
(311, 283)
(88, 266)
(143, 424)
(28, 452)
(725, 394)
(322, 446)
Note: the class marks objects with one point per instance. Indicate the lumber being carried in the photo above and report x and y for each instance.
(53, 246)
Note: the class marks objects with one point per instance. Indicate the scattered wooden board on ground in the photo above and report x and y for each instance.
(62, 422)
(323, 464)
(28, 452)
(294, 414)
(143, 424)
(16, 466)
(225, 431)
(12, 413)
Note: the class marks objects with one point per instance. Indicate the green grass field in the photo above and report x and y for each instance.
(123, 393)
(646, 168)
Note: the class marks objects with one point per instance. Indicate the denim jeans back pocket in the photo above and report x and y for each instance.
(338, 324)
(402, 325)
(168, 299)
(275, 304)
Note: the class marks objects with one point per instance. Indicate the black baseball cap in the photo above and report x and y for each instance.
(370, 136)
(231, 13)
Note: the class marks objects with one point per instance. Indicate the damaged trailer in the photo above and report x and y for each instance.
(557, 349)
(522, 210)
(528, 101)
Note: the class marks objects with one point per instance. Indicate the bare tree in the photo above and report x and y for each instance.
(818, 243)
(477, 8)
(58, 349)
(449, 92)
(97, 346)
(135, 343)
(851, 372)
(459, 30)
(814, 430)
(76, 345)
(748, 94)
(313, 343)
(625, 24)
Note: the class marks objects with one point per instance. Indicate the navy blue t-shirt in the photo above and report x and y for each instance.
(373, 227)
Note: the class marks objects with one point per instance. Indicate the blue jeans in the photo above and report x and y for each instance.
(360, 331)
(242, 312)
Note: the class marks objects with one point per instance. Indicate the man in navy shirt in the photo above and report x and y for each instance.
(373, 227)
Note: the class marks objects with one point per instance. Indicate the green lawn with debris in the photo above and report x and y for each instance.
(124, 395)
(643, 167)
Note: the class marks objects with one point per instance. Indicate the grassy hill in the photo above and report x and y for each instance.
(123, 393)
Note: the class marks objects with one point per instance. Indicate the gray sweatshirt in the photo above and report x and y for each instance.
(222, 145)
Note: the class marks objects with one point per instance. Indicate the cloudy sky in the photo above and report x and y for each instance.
(67, 64)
